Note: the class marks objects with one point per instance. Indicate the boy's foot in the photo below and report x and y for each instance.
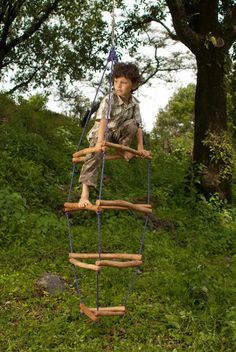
(126, 155)
(84, 197)
(84, 202)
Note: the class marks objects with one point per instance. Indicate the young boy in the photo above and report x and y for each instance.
(124, 123)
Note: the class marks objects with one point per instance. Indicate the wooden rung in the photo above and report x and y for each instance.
(107, 157)
(84, 265)
(112, 145)
(125, 148)
(106, 313)
(106, 256)
(115, 207)
(122, 203)
(109, 204)
(84, 152)
(88, 312)
(75, 206)
(117, 264)
(107, 309)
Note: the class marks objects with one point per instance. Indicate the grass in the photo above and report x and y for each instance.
(183, 298)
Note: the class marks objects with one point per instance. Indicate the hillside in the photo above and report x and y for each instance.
(184, 295)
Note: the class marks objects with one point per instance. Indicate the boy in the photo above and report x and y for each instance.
(124, 123)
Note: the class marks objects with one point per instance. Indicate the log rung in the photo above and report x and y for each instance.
(113, 309)
(106, 256)
(84, 265)
(143, 208)
(94, 313)
(107, 157)
(75, 206)
(116, 264)
(88, 312)
(111, 145)
(104, 313)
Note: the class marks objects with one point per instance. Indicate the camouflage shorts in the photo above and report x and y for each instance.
(124, 135)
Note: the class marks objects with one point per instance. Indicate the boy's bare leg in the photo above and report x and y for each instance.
(84, 198)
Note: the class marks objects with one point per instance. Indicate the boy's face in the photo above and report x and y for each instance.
(123, 87)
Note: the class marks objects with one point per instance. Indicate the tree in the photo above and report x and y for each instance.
(208, 29)
(50, 42)
(231, 98)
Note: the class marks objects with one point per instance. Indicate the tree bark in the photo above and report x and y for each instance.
(210, 117)
(209, 40)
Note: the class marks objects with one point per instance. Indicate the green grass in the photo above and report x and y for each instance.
(183, 298)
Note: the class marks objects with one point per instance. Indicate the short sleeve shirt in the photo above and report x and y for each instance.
(118, 114)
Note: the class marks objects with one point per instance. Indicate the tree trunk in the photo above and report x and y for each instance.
(210, 117)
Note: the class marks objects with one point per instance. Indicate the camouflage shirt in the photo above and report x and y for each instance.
(119, 113)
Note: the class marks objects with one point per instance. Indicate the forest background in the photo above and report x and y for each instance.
(184, 295)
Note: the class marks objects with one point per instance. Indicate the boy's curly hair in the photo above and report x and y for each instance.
(127, 70)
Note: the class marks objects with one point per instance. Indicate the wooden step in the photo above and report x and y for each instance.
(116, 264)
(109, 204)
(94, 313)
(113, 309)
(119, 147)
(84, 265)
(81, 159)
(88, 312)
(144, 208)
(71, 207)
(106, 313)
(125, 148)
(106, 256)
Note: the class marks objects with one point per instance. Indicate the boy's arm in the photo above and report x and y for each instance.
(139, 139)
(101, 134)
(140, 148)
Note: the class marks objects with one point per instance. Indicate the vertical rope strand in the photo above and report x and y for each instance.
(106, 131)
(113, 57)
(113, 24)
(142, 239)
(71, 251)
(85, 126)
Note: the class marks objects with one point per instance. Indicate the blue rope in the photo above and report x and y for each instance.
(99, 255)
(142, 240)
(71, 251)
(111, 58)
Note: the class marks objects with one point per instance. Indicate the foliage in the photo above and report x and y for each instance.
(175, 121)
(210, 40)
(221, 153)
(51, 41)
(36, 166)
(231, 99)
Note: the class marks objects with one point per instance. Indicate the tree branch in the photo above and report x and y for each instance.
(10, 16)
(172, 35)
(230, 27)
(183, 31)
(3, 11)
(149, 19)
(49, 8)
(155, 70)
(23, 83)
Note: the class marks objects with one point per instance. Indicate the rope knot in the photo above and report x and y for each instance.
(112, 55)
